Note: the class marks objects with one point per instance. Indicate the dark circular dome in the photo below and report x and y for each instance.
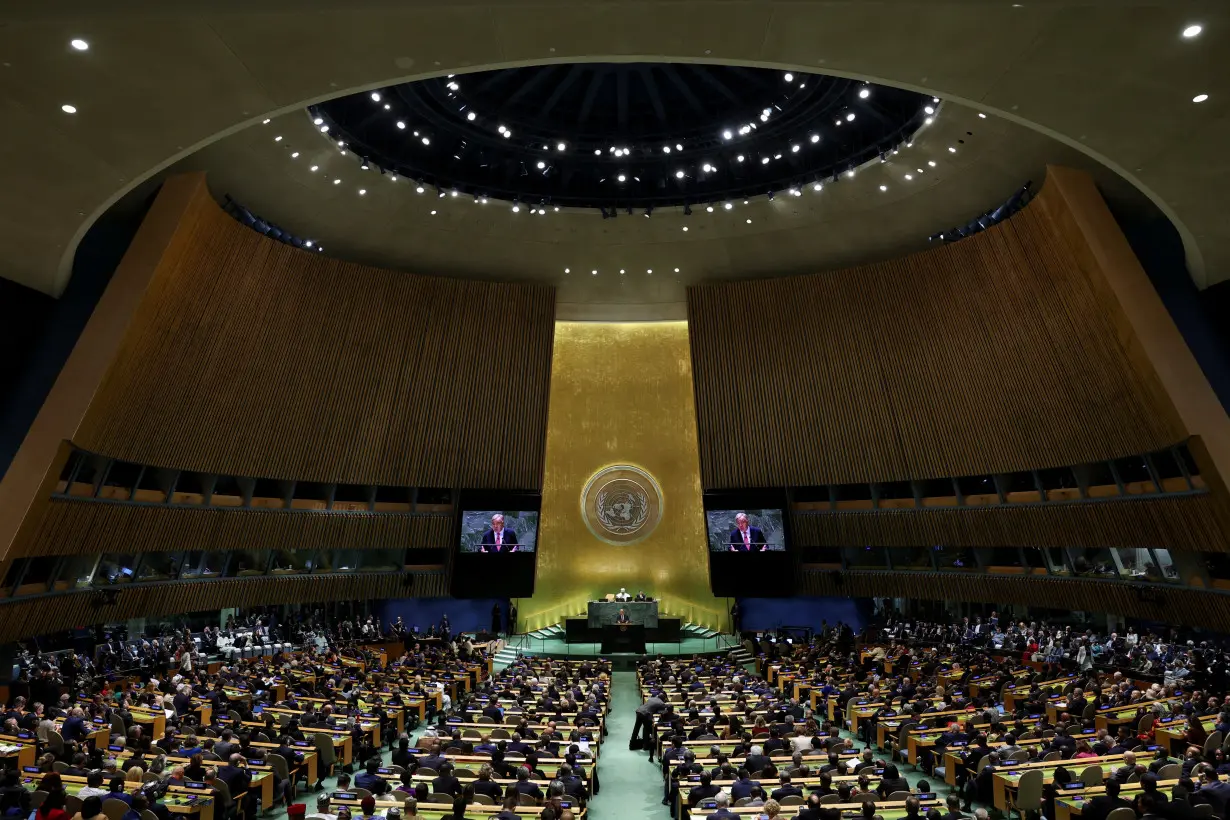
(626, 135)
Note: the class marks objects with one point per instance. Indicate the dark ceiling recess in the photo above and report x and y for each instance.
(623, 136)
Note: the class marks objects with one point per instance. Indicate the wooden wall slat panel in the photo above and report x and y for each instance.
(1182, 606)
(254, 358)
(43, 616)
(1185, 522)
(990, 355)
(73, 527)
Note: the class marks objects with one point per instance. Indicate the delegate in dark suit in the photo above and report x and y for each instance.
(508, 541)
(755, 540)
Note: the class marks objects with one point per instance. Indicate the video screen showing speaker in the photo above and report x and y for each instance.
(499, 532)
(746, 530)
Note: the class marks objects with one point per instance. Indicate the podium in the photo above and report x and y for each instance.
(623, 638)
(640, 612)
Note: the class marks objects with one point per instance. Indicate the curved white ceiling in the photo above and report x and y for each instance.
(161, 80)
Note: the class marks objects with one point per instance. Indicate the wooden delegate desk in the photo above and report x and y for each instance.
(849, 811)
(178, 799)
(19, 750)
(807, 784)
(1005, 780)
(1070, 804)
(1170, 730)
(96, 732)
(1114, 717)
(955, 755)
(442, 811)
(311, 760)
(152, 719)
(1021, 691)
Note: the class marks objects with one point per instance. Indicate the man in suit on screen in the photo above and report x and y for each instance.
(746, 538)
(498, 538)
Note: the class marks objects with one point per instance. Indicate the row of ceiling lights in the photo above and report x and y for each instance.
(541, 210)
(1190, 32)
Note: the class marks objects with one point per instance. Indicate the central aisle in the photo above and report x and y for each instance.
(631, 785)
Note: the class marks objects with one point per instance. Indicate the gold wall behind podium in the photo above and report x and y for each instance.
(621, 393)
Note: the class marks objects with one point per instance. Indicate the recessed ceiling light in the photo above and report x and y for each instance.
(728, 205)
(1189, 32)
(621, 271)
(386, 106)
(315, 167)
(308, 243)
(850, 173)
(883, 187)
(1199, 98)
(679, 146)
(516, 208)
(679, 175)
(649, 270)
(929, 120)
(275, 139)
(815, 137)
(794, 149)
(557, 209)
(789, 77)
(567, 270)
(929, 110)
(981, 116)
(909, 176)
(541, 165)
(919, 170)
(266, 122)
(685, 228)
(952, 149)
(72, 109)
(82, 45)
(471, 116)
(401, 125)
(597, 153)
(749, 222)
(295, 155)
(931, 163)
(666, 149)
(709, 208)
(850, 117)
(561, 146)
(594, 272)
(817, 187)
(419, 189)
(676, 270)
(375, 96)
(739, 158)
(864, 93)
(727, 134)
(324, 129)
(433, 213)
(318, 121)
(337, 182)
(621, 178)
(362, 192)
(426, 141)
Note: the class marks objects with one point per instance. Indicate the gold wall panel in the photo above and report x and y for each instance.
(621, 394)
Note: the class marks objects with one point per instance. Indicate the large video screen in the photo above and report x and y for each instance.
(746, 530)
(498, 531)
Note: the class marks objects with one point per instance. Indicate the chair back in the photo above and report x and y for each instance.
(791, 800)
(361, 794)
(1170, 771)
(1029, 791)
(1124, 813)
(223, 790)
(72, 804)
(325, 755)
(1092, 775)
(898, 796)
(117, 726)
(59, 766)
(426, 770)
(279, 765)
(485, 719)
(1091, 711)
(828, 798)
(55, 741)
(523, 799)
(114, 809)
(1145, 724)
(1019, 757)
(500, 733)
(37, 798)
(148, 815)
(743, 801)
(150, 777)
(1053, 756)
(484, 800)
(1212, 743)
(1202, 810)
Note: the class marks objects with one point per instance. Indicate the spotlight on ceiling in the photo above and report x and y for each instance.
(561, 146)
(375, 96)
(815, 137)
(1189, 33)
(864, 93)
(739, 158)
(728, 205)
(1199, 98)
(789, 77)
(401, 125)
(679, 175)
(318, 121)
(727, 134)
(666, 149)
(709, 209)
(471, 116)
(850, 117)
(621, 178)
(82, 45)
(72, 109)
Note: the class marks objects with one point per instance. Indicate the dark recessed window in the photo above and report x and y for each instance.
(435, 495)
(1133, 470)
(896, 489)
(1166, 464)
(352, 493)
(311, 491)
(811, 495)
(392, 495)
(976, 485)
(1022, 482)
(1057, 478)
(122, 474)
(853, 492)
(935, 487)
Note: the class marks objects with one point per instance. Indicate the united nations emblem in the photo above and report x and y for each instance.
(621, 504)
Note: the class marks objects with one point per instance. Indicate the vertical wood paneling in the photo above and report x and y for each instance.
(1176, 523)
(255, 358)
(990, 355)
(73, 527)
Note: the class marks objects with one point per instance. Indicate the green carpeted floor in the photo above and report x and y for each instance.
(631, 785)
